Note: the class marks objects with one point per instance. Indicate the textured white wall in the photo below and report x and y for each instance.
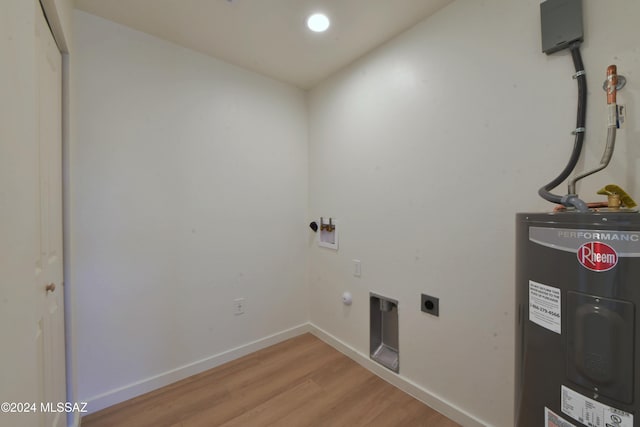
(425, 149)
(189, 189)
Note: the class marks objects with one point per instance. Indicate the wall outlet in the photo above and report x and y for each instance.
(429, 304)
(238, 306)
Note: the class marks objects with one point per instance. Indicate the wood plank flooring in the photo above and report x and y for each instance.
(299, 382)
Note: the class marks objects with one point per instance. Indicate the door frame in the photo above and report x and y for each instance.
(58, 14)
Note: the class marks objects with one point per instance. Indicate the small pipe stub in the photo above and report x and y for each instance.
(612, 82)
(314, 226)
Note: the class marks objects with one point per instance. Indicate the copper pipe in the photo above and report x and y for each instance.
(612, 83)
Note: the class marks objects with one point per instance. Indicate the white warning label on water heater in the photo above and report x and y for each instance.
(593, 413)
(551, 419)
(544, 306)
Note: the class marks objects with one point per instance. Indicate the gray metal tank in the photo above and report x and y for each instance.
(577, 330)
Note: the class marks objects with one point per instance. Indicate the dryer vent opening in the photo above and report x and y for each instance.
(383, 327)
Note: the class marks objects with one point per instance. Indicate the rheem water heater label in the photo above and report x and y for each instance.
(593, 413)
(544, 306)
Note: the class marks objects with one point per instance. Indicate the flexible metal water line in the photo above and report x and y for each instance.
(604, 162)
(612, 81)
(545, 192)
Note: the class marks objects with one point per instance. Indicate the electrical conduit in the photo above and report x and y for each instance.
(545, 192)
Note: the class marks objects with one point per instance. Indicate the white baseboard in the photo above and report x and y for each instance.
(130, 391)
(425, 396)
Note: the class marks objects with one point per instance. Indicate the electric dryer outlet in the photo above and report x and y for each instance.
(430, 305)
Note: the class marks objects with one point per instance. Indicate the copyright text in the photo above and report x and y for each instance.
(43, 407)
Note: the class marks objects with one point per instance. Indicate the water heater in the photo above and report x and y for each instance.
(577, 331)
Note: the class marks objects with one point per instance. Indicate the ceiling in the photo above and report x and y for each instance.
(270, 36)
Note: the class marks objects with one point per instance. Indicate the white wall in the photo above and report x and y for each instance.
(189, 184)
(425, 149)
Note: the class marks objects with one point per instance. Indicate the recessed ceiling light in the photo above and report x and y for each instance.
(318, 22)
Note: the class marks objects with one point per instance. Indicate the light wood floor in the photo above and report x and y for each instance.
(299, 382)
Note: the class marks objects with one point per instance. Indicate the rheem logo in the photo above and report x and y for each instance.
(597, 256)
